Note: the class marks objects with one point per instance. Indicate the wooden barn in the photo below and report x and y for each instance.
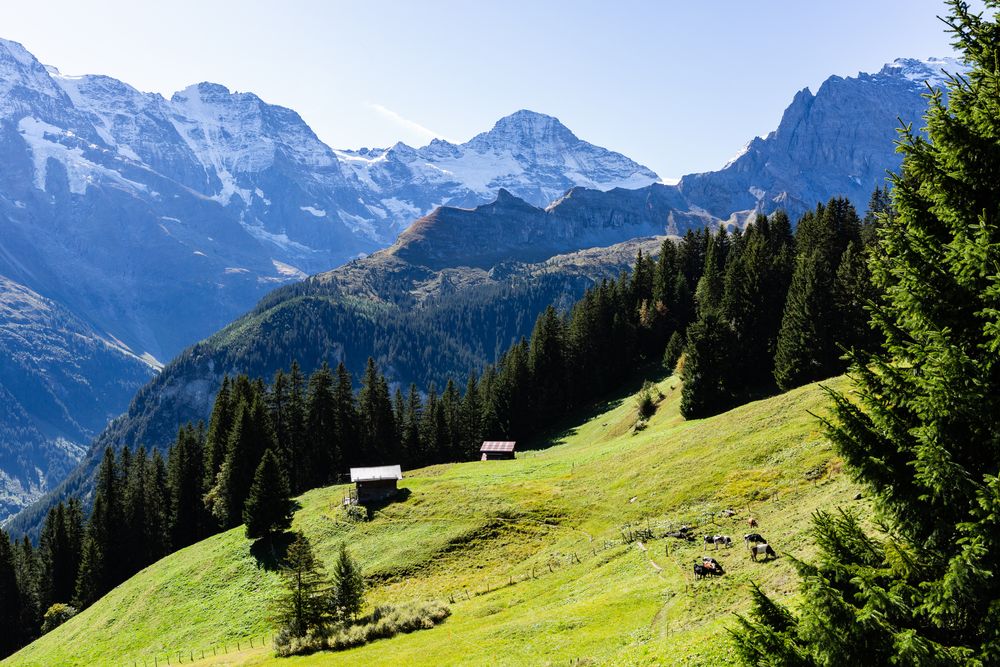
(494, 450)
(375, 484)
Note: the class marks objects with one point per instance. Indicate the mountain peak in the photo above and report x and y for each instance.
(528, 126)
(932, 70)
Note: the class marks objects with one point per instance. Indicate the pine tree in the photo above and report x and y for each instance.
(250, 437)
(711, 284)
(59, 552)
(11, 604)
(268, 507)
(346, 420)
(921, 430)
(375, 419)
(28, 572)
(348, 587)
(675, 348)
(100, 564)
(293, 419)
(303, 603)
(219, 425)
(187, 520)
(412, 449)
(547, 361)
(706, 377)
(471, 426)
(324, 455)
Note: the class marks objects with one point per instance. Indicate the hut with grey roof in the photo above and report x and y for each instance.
(376, 484)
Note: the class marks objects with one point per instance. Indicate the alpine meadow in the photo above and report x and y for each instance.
(515, 400)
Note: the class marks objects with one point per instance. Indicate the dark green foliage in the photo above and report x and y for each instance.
(11, 603)
(707, 373)
(59, 552)
(922, 428)
(348, 587)
(325, 454)
(816, 317)
(304, 603)
(376, 423)
(250, 437)
(675, 348)
(268, 507)
(187, 520)
(100, 562)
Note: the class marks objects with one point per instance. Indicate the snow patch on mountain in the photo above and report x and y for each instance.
(46, 142)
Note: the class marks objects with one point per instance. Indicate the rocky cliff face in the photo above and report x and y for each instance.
(60, 381)
(838, 141)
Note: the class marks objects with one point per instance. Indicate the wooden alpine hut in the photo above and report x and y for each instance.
(376, 484)
(494, 450)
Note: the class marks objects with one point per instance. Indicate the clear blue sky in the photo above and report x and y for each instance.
(678, 86)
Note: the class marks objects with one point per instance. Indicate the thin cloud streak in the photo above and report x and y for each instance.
(426, 134)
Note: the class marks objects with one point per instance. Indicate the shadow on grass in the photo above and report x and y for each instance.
(566, 427)
(269, 552)
(374, 506)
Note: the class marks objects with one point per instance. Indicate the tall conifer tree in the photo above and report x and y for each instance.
(922, 429)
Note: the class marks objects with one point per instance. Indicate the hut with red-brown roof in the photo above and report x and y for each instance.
(494, 450)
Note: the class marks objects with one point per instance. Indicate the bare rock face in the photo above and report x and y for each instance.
(839, 141)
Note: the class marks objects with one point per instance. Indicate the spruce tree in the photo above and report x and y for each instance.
(346, 421)
(268, 507)
(324, 454)
(348, 587)
(303, 603)
(377, 429)
(11, 604)
(219, 425)
(921, 430)
(411, 445)
(706, 375)
(250, 437)
(101, 567)
(59, 552)
(547, 363)
(184, 471)
(675, 348)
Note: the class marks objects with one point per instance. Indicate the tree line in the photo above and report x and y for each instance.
(776, 310)
(735, 306)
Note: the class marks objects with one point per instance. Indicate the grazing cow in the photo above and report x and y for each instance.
(728, 512)
(762, 549)
(680, 535)
(719, 539)
(708, 566)
(755, 538)
(752, 522)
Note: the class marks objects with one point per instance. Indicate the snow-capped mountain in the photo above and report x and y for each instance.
(530, 154)
(152, 222)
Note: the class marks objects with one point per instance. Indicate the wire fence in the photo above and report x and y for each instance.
(191, 655)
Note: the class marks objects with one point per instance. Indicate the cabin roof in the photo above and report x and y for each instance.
(375, 474)
(498, 446)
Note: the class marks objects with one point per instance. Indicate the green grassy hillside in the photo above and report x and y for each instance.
(470, 528)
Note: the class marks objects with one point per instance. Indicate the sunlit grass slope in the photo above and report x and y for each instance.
(542, 534)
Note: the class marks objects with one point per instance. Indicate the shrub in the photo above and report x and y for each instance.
(384, 622)
(646, 401)
(56, 615)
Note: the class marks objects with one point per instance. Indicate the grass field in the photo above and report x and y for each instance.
(530, 551)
